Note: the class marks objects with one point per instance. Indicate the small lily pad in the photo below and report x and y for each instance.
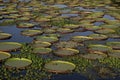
(47, 39)
(41, 50)
(64, 30)
(71, 26)
(66, 52)
(59, 66)
(81, 38)
(31, 32)
(98, 36)
(93, 56)
(10, 46)
(114, 45)
(4, 36)
(18, 62)
(4, 55)
(99, 47)
(114, 53)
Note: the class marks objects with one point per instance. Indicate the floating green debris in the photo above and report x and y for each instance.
(114, 45)
(4, 55)
(31, 32)
(59, 66)
(4, 36)
(41, 50)
(10, 46)
(18, 63)
(66, 52)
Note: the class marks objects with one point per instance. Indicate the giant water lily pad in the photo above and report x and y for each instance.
(31, 32)
(66, 44)
(99, 47)
(10, 46)
(92, 28)
(66, 52)
(71, 26)
(4, 55)
(114, 45)
(59, 66)
(64, 30)
(114, 53)
(98, 36)
(105, 31)
(5, 36)
(110, 26)
(47, 39)
(41, 50)
(25, 25)
(81, 38)
(18, 62)
(93, 56)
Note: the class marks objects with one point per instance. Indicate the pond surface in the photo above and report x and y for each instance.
(69, 13)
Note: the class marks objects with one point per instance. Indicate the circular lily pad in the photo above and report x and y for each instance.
(98, 36)
(42, 50)
(4, 55)
(66, 44)
(40, 44)
(59, 66)
(31, 32)
(81, 38)
(115, 53)
(18, 62)
(99, 47)
(64, 30)
(114, 45)
(46, 39)
(10, 46)
(4, 36)
(105, 31)
(93, 56)
(25, 25)
(66, 52)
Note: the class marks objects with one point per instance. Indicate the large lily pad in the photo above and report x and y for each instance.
(99, 47)
(114, 45)
(98, 36)
(40, 44)
(5, 36)
(71, 26)
(66, 44)
(18, 62)
(10, 46)
(4, 55)
(31, 32)
(81, 38)
(93, 56)
(59, 66)
(66, 52)
(41, 50)
(25, 25)
(47, 39)
(114, 53)
(105, 31)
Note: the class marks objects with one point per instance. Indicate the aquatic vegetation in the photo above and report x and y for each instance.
(4, 36)
(59, 66)
(31, 33)
(25, 25)
(66, 52)
(4, 55)
(64, 30)
(81, 38)
(105, 31)
(17, 62)
(114, 53)
(7, 22)
(10, 46)
(114, 45)
(98, 37)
